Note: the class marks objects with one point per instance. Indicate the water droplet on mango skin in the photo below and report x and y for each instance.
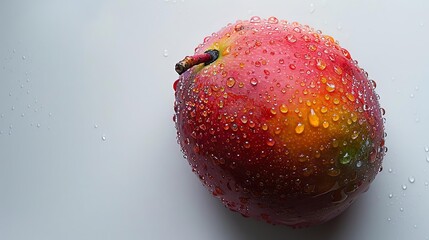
(230, 82)
(299, 128)
(313, 118)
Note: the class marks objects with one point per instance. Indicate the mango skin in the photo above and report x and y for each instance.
(284, 126)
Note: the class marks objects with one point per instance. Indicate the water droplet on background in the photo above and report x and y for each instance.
(24, 57)
(165, 53)
(404, 187)
(426, 148)
(104, 138)
(312, 8)
(390, 195)
(411, 179)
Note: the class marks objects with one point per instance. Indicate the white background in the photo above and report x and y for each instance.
(75, 72)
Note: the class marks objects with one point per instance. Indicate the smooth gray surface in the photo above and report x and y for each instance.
(73, 72)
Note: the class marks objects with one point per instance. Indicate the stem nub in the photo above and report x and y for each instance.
(207, 57)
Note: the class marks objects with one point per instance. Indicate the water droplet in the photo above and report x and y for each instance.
(335, 117)
(271, 142)
(230, 82)
(390, 170)
(330, 87)
(165, 53)
(321, 65)
(313, 118)
(346, 159)
(38, 125)
(281, 61)
(335, 143)
(264, 127)
(412, 95)
(404, 187)
(238, 27)
(411, 179)
(389, 219)
(292, 66)
(390, 195)
(312, 8)
(277, 130)
(103, 137)
(283, 108)
(355, 134)
(22, 114)
(338, 70)
(95, 126)
(291, 38)
(323, 109)
(325, 124)
(273, 20)
(253, 81)
(333, 172)
(359, 164)
(299, 128)
(244, 119)
(255, 19)
(427, 158)
(426, 148)
(401, 209)
(351, 97)
(24, 57)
